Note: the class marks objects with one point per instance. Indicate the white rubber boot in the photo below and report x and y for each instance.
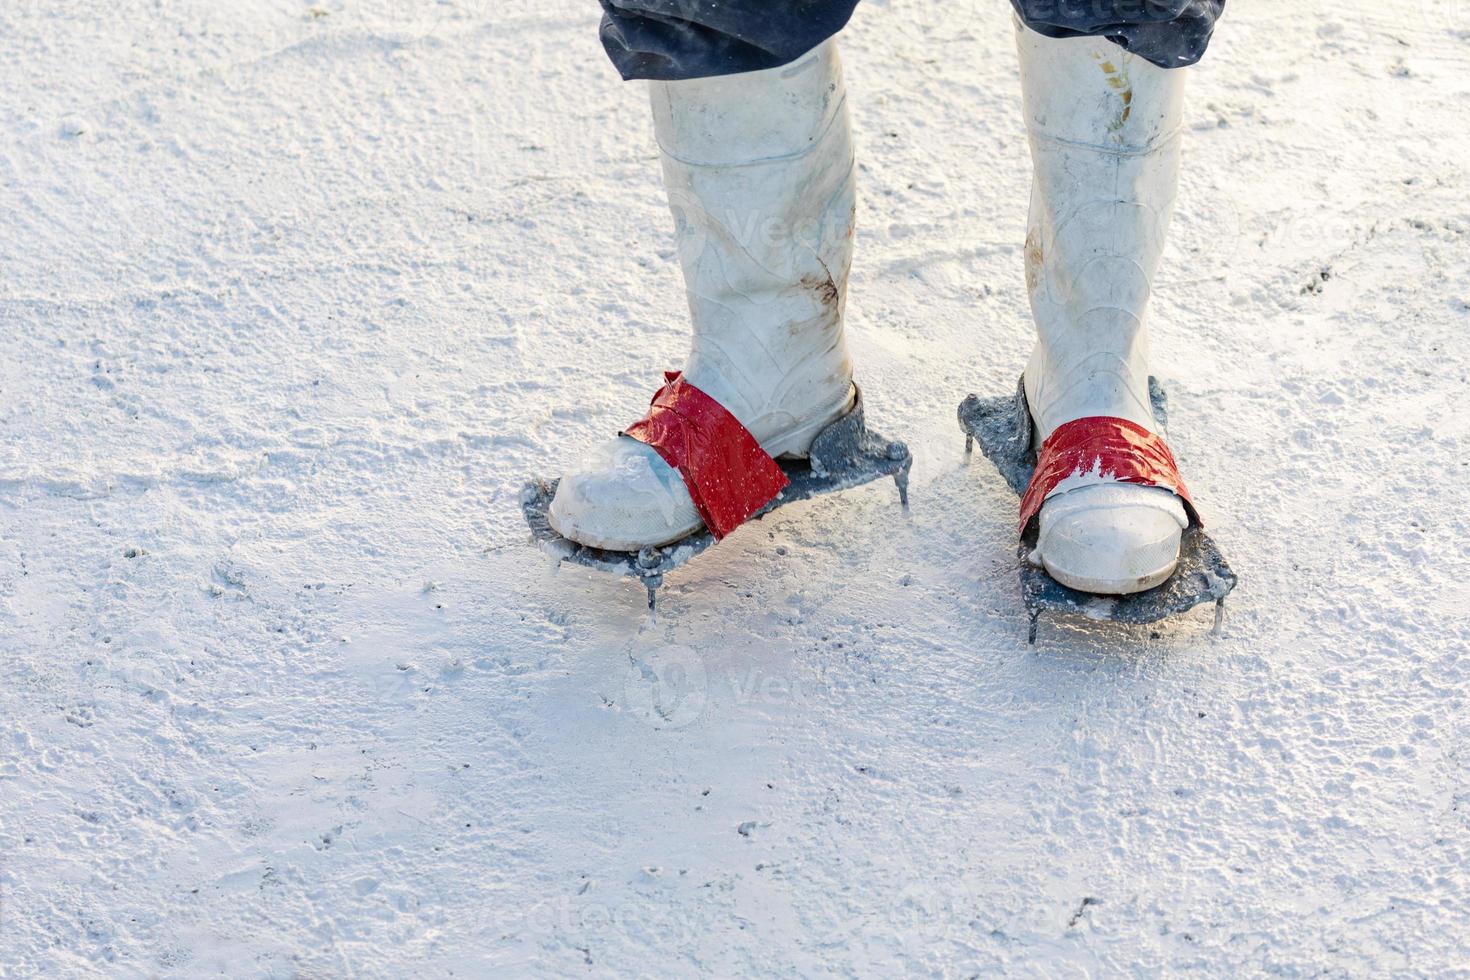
(1104, 128)
(759, 172)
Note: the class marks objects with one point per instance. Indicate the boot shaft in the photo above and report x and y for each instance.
(759, 173)
(1104, 129)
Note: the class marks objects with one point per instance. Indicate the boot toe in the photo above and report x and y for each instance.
(623, 497)
(1111, 539)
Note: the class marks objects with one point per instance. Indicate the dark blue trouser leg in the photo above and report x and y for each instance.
(1170, 33)
(675, 39)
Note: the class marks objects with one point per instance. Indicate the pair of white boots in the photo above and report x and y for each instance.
(759, 171)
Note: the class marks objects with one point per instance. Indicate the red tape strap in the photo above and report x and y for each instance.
(728, 474)
(1116, 449)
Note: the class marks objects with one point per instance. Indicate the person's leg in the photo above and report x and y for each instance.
(1104, 126)
(1167, 33)
(759, 170)
(678, 40)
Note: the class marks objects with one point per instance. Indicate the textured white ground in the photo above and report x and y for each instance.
(293, 299)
